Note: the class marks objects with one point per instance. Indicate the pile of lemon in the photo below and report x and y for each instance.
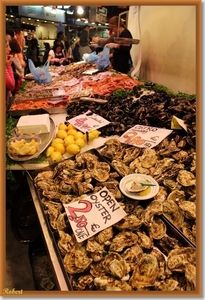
(68, 140)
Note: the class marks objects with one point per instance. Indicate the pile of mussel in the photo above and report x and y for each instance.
(140, 106)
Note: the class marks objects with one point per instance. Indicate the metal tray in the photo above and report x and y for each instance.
(46, 138)
(50, 110)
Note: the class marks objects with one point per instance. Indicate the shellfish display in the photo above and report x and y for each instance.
(153, 247)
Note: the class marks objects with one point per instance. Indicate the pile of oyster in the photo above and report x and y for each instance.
(138, 252)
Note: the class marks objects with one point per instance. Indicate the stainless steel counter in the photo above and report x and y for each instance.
(48, 240)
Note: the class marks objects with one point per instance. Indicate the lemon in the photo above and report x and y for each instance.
(56, 141)
(91, 136)
(145, 192)
(49, 151)
(60, 148)
(56, 157)
(73, 149)
(62, 134)
(69, 140)
(96, 133)
(72, 132)
(80, 143)
(62, 126)
(78, 135)
(70, 126)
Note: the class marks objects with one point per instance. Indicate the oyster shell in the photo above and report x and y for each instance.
(190, 274)
(171, 184)
(161, 195)
(177, 196)
(145, 272)
(144, 240)
(116, 266)
(97, 269)
(154, 208)
(105, 236)
(43, 176)
(186, 178)
(167, 285)
(181, 155)
(123, 240)
(76, 261)
(173, 213)
(65, 242)
(132, 255)
(85, 282)
(108, 283)
(178, 257)
(130, 154)
(121, 167)
(94, 249)
(157, 228)
(162, 166)
(130, 222)
(188, 208)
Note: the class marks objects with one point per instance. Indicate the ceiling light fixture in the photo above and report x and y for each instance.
(80, 10)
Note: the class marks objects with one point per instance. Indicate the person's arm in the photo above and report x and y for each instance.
(102, 42)
(21, 59)
(18, 66)
(51, 57)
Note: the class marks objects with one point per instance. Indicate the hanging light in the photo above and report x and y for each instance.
(80, 10)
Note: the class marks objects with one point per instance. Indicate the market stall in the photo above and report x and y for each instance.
(143, 239)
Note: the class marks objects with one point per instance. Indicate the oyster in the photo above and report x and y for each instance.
(97, 269)
(101, 171)
(177, 196)
(188, 233)
(65, 242)
(107, 283)
(171, 184)
(46, 185)
(86, 158)
(181, 155)
(116, 266)
(121, 167)
(43, 176)
(123, 240)
(144, 241)
(132, 255)
(162, 166)
(154, 208)
(173, 213)
(190, 274)
(167, 243)
(146, 272)
(76, 261)
(186, 178)
(62, 221)
(105, 236)
(188, 208)
(161, 195)
(157, 228)
(94, 249)
(85, 282)
(80, 188)
(130, 222)
(167, 285)
(130, 154)
(178, 257)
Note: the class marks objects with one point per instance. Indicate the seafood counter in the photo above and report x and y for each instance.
(153, 247)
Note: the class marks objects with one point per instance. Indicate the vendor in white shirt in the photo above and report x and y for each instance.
(56, 56)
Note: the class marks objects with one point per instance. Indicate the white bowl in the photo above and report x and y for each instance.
(153, 190)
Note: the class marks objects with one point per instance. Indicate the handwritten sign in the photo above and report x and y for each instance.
(93, 214)
(88, 121)
(144, 136)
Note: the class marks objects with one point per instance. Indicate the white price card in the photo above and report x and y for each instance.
(93, 214)
(144, 136)
(88, 121)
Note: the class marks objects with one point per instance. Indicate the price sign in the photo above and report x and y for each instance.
(93, 214)
(144, 136)
(88, 121)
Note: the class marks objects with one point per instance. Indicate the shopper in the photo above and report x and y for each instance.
(33, 51)
(56, 55)
(21, 40)
(60, 38)
(69, 53)
(10, 82)
(46, 52)
(121, 58)
(16, 65)
(76, 54)
(84, 41)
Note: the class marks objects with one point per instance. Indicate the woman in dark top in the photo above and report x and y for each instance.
(56, 55)
(121, 58)
(84, 41)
